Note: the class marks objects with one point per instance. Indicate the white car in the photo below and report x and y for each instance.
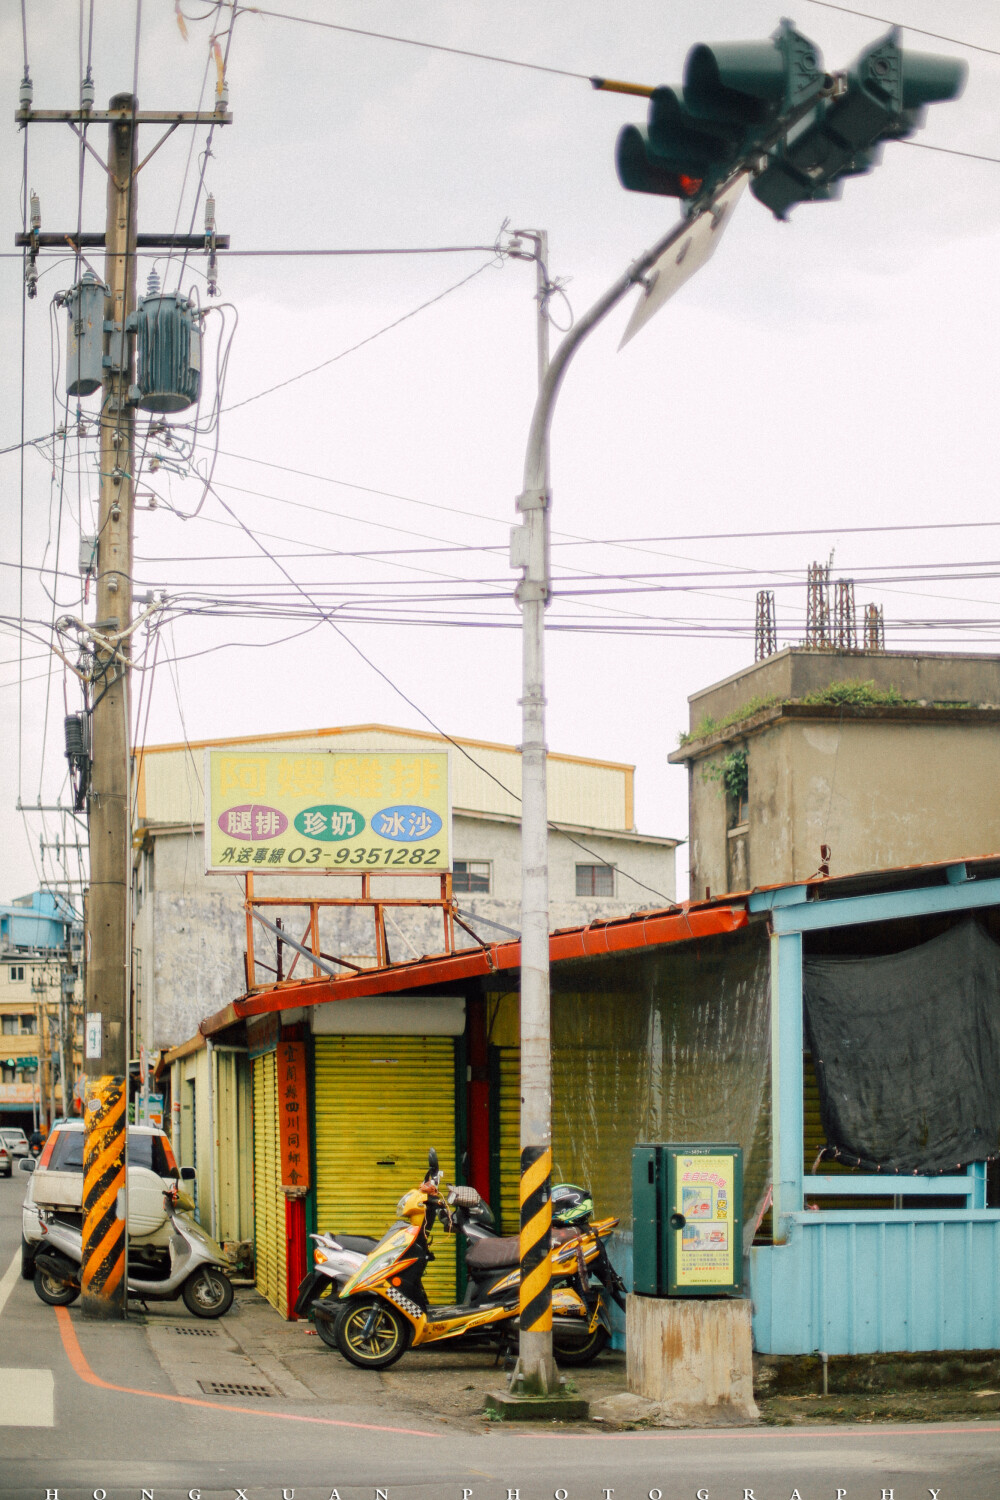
(5, 1159)
(15, 1140)
(56, 1181)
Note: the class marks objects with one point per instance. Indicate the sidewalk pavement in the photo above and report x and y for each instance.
(253, 1355)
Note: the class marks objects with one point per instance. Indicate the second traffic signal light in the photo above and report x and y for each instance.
(884, 98)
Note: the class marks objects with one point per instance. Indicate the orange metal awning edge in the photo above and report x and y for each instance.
(596, 940)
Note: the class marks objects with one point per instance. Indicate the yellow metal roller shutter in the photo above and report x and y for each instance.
(508, 1209)
(814, 1139)
(269, 1201)
(381, 1101)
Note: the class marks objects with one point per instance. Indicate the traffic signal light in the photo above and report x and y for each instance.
(884, 97)
(734, 99)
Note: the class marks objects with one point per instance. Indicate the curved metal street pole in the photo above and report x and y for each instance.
(536, 1372)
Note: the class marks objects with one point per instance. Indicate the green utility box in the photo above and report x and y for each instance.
(687, 1220)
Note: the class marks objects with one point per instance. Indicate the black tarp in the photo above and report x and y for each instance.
(906, 1048)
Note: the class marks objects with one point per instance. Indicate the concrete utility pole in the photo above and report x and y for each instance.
(108, 936)
(536, 1371)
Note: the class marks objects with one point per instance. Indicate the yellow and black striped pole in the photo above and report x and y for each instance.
(536, 1241)
(103, 1272)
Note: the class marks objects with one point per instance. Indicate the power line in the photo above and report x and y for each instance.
(949, 150)
(390, 250)
(327, 616)
(587, 77)
(498, 259)
(406, 41)
(866, 15)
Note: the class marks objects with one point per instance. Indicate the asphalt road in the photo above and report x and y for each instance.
(87, 1412)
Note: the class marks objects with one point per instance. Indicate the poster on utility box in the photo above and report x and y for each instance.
(341, 811)
(705, 1203)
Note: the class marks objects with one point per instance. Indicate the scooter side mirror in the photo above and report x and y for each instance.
(188, 1174)
(432, 1164)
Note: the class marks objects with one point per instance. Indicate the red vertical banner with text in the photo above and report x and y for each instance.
(293, 1115)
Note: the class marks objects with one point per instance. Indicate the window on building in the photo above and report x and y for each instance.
(471, 876)
(9, 1024)
(17, 972)
(8, 1074)
(595, 880)
(29, 1025)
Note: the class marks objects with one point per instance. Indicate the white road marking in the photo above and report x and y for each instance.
(26, 1398)
(10, 1277)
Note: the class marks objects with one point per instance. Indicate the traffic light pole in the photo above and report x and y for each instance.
(535, 1373)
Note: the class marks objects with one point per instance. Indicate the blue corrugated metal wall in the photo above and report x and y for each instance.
(857, 1285)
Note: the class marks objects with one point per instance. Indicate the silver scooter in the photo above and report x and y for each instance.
(190, 1266)
(335, 1260)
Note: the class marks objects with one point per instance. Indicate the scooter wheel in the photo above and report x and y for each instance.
(208, 1293)
(579, 1352)
(53, 1291)
(326, 1327)
(372, 1334)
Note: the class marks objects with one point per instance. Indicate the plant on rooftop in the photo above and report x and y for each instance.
(708, 725)
(852, 692)
(856, 692)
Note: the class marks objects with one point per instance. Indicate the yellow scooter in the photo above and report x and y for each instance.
(382, 1310)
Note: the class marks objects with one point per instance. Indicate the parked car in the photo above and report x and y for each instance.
(56, 1181)
(6, 1164)
(15, 1140)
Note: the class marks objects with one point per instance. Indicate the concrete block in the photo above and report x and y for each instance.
(693, 1356)
(503, 1407)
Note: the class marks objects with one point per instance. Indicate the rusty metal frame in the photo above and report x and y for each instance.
(309, 945)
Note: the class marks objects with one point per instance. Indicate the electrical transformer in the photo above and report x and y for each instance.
(85, 336)
(168, 352)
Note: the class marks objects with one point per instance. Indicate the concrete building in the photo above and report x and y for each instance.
(881, 760)
(190, 928)
(41, 1017)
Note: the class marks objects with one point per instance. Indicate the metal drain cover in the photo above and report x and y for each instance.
(231, 1388)
(205, 1333)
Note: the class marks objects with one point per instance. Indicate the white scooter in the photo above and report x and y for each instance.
(335, 1260)
(180, 1261)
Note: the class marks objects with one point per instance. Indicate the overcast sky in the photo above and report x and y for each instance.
(835, 371)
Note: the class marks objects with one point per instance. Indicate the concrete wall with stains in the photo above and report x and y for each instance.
(881, 785)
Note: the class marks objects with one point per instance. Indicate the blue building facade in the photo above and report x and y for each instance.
(860, 1279)
(39, 921)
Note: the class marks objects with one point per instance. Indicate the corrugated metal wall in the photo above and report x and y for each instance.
(508, 1118)
(922, 1280)
(233, 1130)
(597, 794)
(381, 1101)
(269, 1201)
